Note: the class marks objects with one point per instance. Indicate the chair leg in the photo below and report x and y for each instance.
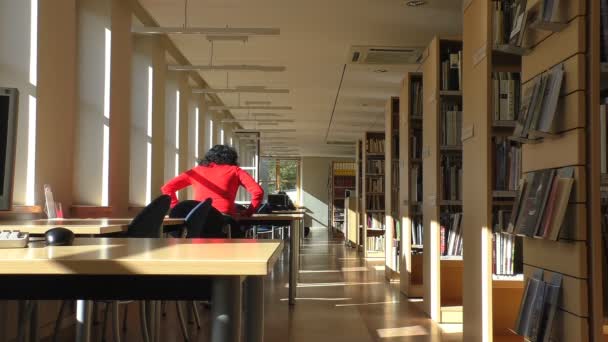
(23, 308)
(104, 324)
(144, 321)
(197, 317)
(95, 314)
(59, 321)
(182, 321)
(116, 321)
(125, 318)
(163, 305)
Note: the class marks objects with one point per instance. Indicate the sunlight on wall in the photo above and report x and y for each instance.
(196, 133)
(106, 113)
(210, 133)
(177, 133)
(434, 271)
(149, 133)
(30, 182)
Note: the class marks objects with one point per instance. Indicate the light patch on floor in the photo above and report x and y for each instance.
(415, 300)
(344, 269)
(335, 284)
(379, 267)
(366, 304)
(451, 328)
(318, 299)
(415, 330)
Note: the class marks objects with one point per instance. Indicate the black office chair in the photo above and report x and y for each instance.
(181, 210)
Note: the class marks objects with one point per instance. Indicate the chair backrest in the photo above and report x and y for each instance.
(196, 219)
(183, 208)
(148, 223)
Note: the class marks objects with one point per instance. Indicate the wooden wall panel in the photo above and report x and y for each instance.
(569, 258)
(568, 327)
(570, 112)
(567, 150)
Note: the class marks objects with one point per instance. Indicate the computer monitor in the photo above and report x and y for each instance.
(8, 133)
(279, 200)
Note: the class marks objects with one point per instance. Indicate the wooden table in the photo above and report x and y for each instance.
(296, 224)
(79, 226)
(146, 269)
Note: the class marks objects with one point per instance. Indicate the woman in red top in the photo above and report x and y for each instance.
(218, 177)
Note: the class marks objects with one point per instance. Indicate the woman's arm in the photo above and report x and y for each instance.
(175, 185)
(256, 191)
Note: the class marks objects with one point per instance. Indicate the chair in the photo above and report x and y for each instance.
(181, 210)
(147, 224)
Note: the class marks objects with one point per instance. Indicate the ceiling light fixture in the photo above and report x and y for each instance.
(228, 38)
(223, 31)
(253, 103)
(250, 107)
(416, 3)
(260, 90)
(244, 67)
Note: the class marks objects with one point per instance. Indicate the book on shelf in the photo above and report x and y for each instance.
(375, 167)
(451, 70)
(603, 137)
(509, 19)
(604, 31)
(451, 177)
(538, 307)
(416, 94)
(507, 164)
(506, 95)
(416, 144)
(542, 202)
(539, 105)
(519, 24)
(374, 184)
(507, 254)
(417, 231)
(416, 183)
(375, 202)
(344, 181)
(549, 11)
(451, 126)
(517, 205)
(375, 221)
(451, 234)
(375, 243)
(374, 145)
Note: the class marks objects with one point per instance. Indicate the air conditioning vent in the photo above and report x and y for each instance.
(384, 55)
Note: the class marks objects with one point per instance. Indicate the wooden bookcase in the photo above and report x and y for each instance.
(491, 306)
(442, 275)
(372, 200)
(410, 128)
(392, 190)
(358, 242)
(342, 179)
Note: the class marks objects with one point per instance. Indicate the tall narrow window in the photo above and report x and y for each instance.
(222, 136)
(196, 132)
(177, 132)
(30, 182)
(149, 136)
(105, 167)
(210, 133)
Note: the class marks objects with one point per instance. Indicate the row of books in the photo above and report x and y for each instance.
(374, 145)
(509, 19)
(344, 181)
(374, 202)
(451, 126)
(416, 144)
(541, 203)
(604, 31)
(416, 183)
(507, 164)
(344, 169)
(506, 95)
(417, 231)
(451, 177)
(538, 307)
(416, 94)
(539, 105)
(374, 184)
(375, 243)
(451, 70)
(396, 245)
(395, 175)
(451, 234)
(375, 167)
(604, 224)
(340, 193)
(375, 221)
(395, 144)
(507, 254)
(604, 137)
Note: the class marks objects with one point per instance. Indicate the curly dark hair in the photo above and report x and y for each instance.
(220, 155)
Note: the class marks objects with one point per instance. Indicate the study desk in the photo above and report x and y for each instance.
(146, 269)
(296, 223)
(79, 226)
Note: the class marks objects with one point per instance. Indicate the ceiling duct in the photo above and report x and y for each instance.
(377, 55)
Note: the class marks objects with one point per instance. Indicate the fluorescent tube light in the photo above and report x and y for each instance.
(250, 107)
(227, 38)
(242, 31)
(260, 90)
(236, 67)
(253, 103)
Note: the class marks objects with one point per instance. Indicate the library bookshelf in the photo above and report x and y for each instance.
(342, 181)
(392, 190)
(492, 302)
(373, 196)
(356, 240)
(410, 185)
(442, 163)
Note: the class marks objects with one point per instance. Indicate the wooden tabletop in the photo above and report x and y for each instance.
(78, 226)
(272, 217)
(119, 256)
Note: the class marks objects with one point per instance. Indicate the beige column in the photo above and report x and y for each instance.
(159, 66)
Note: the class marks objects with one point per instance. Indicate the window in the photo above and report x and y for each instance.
(280, 175)
(210, 130)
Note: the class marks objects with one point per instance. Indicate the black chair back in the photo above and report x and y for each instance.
(197, 218)
(183, 208)
(148, 223)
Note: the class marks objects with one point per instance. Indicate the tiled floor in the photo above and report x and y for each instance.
(341, 297)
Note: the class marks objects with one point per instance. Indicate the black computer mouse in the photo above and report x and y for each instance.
(59, 237)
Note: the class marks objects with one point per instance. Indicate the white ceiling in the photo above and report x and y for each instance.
(314, 44)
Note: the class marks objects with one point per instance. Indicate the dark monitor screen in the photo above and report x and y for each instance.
(8, 126)
(4, 115)
(277, 200)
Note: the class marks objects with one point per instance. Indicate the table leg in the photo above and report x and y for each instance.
(157, 319)
(83, 320)
(254, 319)
(151, 310)
(294, 259)
(226, 310)
(34, 336)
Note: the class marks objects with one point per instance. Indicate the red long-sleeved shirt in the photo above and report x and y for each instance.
(218, 182)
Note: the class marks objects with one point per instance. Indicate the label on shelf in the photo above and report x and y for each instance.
(480, 54)
(467, 133)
